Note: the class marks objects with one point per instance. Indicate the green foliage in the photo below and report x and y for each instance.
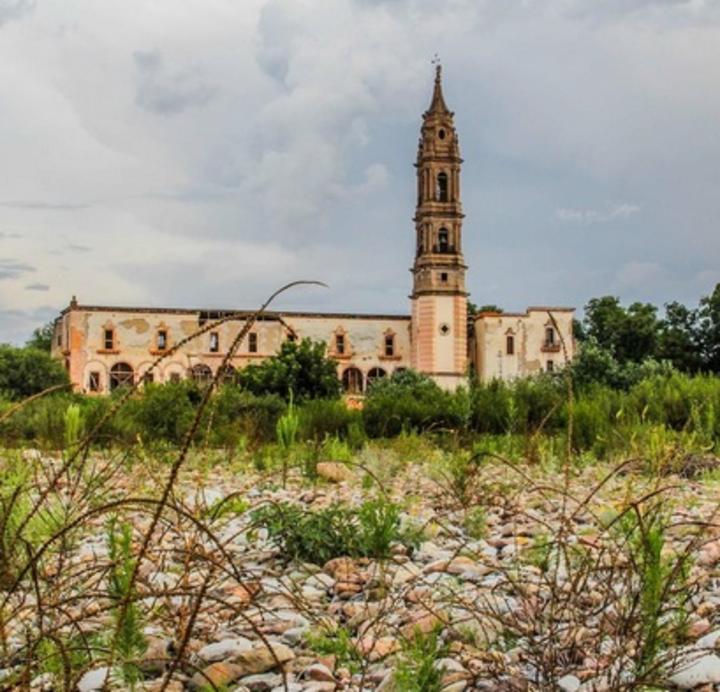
(410, 401)
(475, 522)
(164, 411)
(321, 418)
(662, 582)
(416, 669)
(301, 368)
(27, 371)
(286, 432)
(42, 338)
(74, 427)
(240, 414)
(335, 642)
(130, 642)
(369, 530)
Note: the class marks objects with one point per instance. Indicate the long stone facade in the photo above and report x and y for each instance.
(106, 347)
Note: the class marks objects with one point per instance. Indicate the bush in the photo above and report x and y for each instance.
(336, 531)
(409, 401)
(302, 369)
(321, 418)
(239, 414)
(164, 412)
(27, 371)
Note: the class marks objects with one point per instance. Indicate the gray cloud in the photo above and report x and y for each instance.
(37, 287)
(44, 206)
(15, 9)
(167, 93)
(9, 236)
(12, 269)
(288, 132)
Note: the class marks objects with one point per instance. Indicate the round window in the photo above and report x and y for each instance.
(441, 134)
(444, 329)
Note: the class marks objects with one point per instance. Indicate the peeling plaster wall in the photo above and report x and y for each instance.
(531, 355)
(79, 341)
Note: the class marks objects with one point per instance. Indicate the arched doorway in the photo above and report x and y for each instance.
(352, 381)
(228, 375)
(201, 373)
(375, 374)
(121, 375)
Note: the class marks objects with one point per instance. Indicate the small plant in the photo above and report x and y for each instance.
(74, 428)
(286, 431)
(475, 522)
(232, 505)
(416, 669)
(130, 642)
(369, 530)
(335, 642)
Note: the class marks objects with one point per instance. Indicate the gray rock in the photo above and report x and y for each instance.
(569, 683)
(262, 682)
(93, 679)
(697, 671)
(225, 649)
(708, 641)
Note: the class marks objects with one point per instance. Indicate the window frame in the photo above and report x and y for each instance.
(252, 342)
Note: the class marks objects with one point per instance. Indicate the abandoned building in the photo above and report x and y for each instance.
(107, 347)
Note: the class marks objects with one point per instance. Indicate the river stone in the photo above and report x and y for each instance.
(260, 658)
(224, 649)
(569, 683)
(93, 679)
(700, 671)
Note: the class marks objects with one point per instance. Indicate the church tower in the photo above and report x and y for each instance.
(439, 299)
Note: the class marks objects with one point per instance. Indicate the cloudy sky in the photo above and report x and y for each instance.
(203, 152)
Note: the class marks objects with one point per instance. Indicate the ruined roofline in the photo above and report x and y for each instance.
(224, 312)
(493, 313)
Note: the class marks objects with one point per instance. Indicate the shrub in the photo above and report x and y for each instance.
(369, 530)
(27, 371)
(241, 414)
(416, 669)
(164, 412)
(321, 418)
(410, 401)
(302, 369)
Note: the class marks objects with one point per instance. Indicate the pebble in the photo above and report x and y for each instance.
(697, 671)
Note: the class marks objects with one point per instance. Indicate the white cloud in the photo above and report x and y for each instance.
(591, 216)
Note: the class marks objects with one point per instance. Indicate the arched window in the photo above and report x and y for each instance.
(121, 374)
(352, 381)
(441, 190)
(201, 374)
(443, 240)
(229, 375)
(510, 345)
(375, 374)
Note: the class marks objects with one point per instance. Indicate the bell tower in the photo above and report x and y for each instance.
(439, 299)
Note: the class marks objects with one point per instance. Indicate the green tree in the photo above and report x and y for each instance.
(301, 368)
(709, 330)
(27, 371)
(42, 337)
(680, 340)
(630, 334)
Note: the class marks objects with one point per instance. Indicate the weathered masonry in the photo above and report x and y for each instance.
(106, 347)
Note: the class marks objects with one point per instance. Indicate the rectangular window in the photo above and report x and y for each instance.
(109, 339)
(443, 277)
(94, 382)
(162, 339)
(59, 339)
(174, 377)
(549, 336)
(510, 345)
(340, 344)
(252, 342)
(550, 366)
(389, 345)
(214, 342)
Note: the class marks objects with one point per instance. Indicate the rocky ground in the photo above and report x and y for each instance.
(532, 591)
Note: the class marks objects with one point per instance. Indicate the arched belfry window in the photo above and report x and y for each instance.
(443, 240)
(441, 191)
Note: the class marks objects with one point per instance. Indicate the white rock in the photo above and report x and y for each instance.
(225, 649)
(93, 679)
(709, 640)
(569, 683)
(698, 671)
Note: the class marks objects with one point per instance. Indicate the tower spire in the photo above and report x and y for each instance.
(437, 105)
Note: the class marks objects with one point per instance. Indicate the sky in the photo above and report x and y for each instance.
(203, 153)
